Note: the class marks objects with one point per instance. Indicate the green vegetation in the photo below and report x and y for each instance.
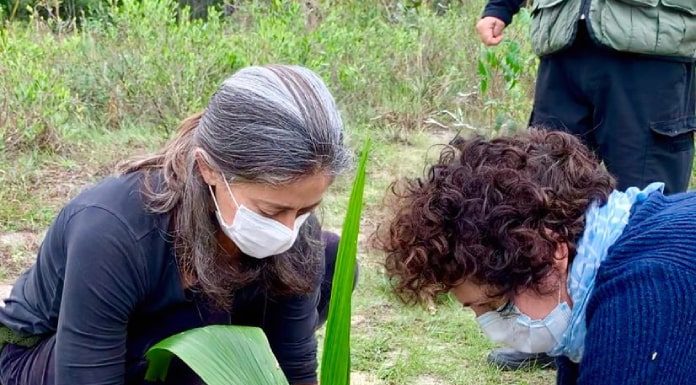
(73, 102)
(220, 355)
(408, 74)
(335, 363)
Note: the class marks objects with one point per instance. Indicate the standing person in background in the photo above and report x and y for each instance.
(619, 74)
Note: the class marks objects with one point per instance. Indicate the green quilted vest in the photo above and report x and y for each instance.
(653, 27)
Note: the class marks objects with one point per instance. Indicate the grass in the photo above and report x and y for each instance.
(73, 102)
(414, 346)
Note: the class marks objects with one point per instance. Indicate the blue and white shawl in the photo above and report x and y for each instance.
(603, 226)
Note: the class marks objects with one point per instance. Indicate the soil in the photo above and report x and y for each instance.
(362, 378)
(4, 293)
(17, 253)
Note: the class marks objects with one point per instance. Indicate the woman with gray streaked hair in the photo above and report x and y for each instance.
(215, 228)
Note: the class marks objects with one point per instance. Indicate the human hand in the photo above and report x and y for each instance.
(490, 30)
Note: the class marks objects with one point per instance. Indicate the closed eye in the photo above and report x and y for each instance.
(267, 214)
(275, 211)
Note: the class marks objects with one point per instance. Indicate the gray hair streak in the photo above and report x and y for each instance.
(272, 125)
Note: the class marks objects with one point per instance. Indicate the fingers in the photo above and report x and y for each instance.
(498, 27)
(490, 30)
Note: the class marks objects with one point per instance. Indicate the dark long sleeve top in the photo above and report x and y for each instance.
(106, 283)
(503, 9)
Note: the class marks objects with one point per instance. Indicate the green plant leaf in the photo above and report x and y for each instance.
(220, 355)
(335, 363)
(484, 76)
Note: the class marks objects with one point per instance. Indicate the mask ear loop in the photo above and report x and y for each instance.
(212, 194)
(201, 156)
(229, 190)
(560, 290)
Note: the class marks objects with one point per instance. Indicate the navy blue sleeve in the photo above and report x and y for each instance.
(104, 279)
(502, 9)
(290, 325)
(640, 327)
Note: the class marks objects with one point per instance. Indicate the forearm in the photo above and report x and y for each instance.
(502, 9)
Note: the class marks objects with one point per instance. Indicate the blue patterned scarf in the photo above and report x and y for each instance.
(603, 226)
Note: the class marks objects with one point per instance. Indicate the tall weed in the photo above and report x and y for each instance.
(395, 67)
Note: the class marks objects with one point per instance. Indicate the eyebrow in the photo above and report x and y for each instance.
(284, 207)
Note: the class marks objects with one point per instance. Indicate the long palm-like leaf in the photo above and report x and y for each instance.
(335, 363)
(220, 355)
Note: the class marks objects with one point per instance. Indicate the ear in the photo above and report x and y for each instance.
(561, 257)
(560, 267)
(210, 177)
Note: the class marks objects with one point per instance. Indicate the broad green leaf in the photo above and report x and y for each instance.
(220, 355)
(335, 363)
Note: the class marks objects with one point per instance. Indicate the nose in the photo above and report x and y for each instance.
(287, 219)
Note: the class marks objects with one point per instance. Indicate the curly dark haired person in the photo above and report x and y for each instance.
(529, 232)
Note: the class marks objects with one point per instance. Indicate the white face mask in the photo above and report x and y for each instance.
(256, 235)
(518, 331)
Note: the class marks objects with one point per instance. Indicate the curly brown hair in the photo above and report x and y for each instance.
(492, 211)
